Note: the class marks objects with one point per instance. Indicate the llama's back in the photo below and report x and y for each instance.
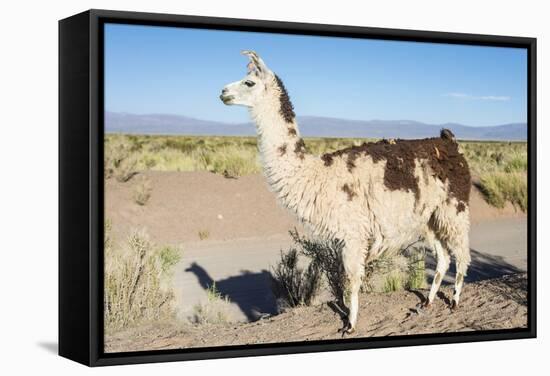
(394, 187)
(409, 164)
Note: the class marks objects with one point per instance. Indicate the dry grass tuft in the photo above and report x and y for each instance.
(142, 190)
(500, 187)
(120, 160)
(215, 310)
(204, 234)
(136, 277)
(502, 171)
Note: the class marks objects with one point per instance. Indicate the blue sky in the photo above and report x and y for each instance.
(182, 71)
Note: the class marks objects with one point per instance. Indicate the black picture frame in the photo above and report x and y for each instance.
(81, 186)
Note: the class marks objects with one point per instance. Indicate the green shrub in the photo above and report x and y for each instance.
(417, 269)
(295, 285)
(393, 282)
(169, 256)
(386, 273)
(327, 256)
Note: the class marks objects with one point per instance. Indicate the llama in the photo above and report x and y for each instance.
(378, 197)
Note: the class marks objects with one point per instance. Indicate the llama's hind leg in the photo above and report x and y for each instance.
(353, 261)
(443, 260)
(453, 227)
(461, 253)
(461, 269)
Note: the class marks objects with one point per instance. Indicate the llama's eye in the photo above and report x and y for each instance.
(249, 83)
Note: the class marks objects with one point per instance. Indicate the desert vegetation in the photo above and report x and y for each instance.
(214, 310)
(142, 190)
(311, 265)
(500, 171)
(137, 275)
(204, 234)
(293, 284)
(499, 168)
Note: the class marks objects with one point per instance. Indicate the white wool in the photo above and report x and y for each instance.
(375, 219)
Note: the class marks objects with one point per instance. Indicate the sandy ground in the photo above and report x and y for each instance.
(185, 203)
(246, 231)
(491, 304)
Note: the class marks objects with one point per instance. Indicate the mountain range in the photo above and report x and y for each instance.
(310, 126)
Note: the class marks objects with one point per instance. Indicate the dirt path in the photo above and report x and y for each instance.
(241, 268)
(490, 304)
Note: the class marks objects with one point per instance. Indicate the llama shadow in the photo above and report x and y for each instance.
(250, 291)
(483, 266)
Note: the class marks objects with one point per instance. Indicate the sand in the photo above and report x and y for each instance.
(183, 204)
(499, 303)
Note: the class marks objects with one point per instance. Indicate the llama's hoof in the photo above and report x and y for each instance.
(454, 306)
(422, 307)
(346, 329)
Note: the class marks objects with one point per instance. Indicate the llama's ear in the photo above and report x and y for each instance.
(256, 63)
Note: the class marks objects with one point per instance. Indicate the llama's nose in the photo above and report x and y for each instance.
(224, 90)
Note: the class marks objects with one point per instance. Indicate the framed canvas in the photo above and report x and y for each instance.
(233, 187)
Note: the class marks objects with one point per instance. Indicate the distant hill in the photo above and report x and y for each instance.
(310, 126)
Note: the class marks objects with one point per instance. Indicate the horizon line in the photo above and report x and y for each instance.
(318, 116)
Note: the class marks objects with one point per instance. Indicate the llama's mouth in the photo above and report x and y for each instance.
(227, 99)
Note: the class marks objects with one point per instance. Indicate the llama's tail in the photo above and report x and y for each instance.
(446, 134)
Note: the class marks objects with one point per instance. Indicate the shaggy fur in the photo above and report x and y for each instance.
(377, 198)
(441, 154)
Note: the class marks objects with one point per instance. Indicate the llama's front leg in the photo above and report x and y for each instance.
(353, 260)
(353, 304)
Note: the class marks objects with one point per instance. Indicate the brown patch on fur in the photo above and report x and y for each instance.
(350, 192)
(350, 163)
(282, 150)
(327, 158)
(287, 109)
(292, 131)
(460, 207)
(447, 134)
(447, 164)
(300, 148)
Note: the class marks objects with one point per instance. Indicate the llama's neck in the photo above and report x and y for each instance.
(282, 151)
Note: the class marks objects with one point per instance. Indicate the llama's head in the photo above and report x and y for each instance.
(253, 88)
(259, 87)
